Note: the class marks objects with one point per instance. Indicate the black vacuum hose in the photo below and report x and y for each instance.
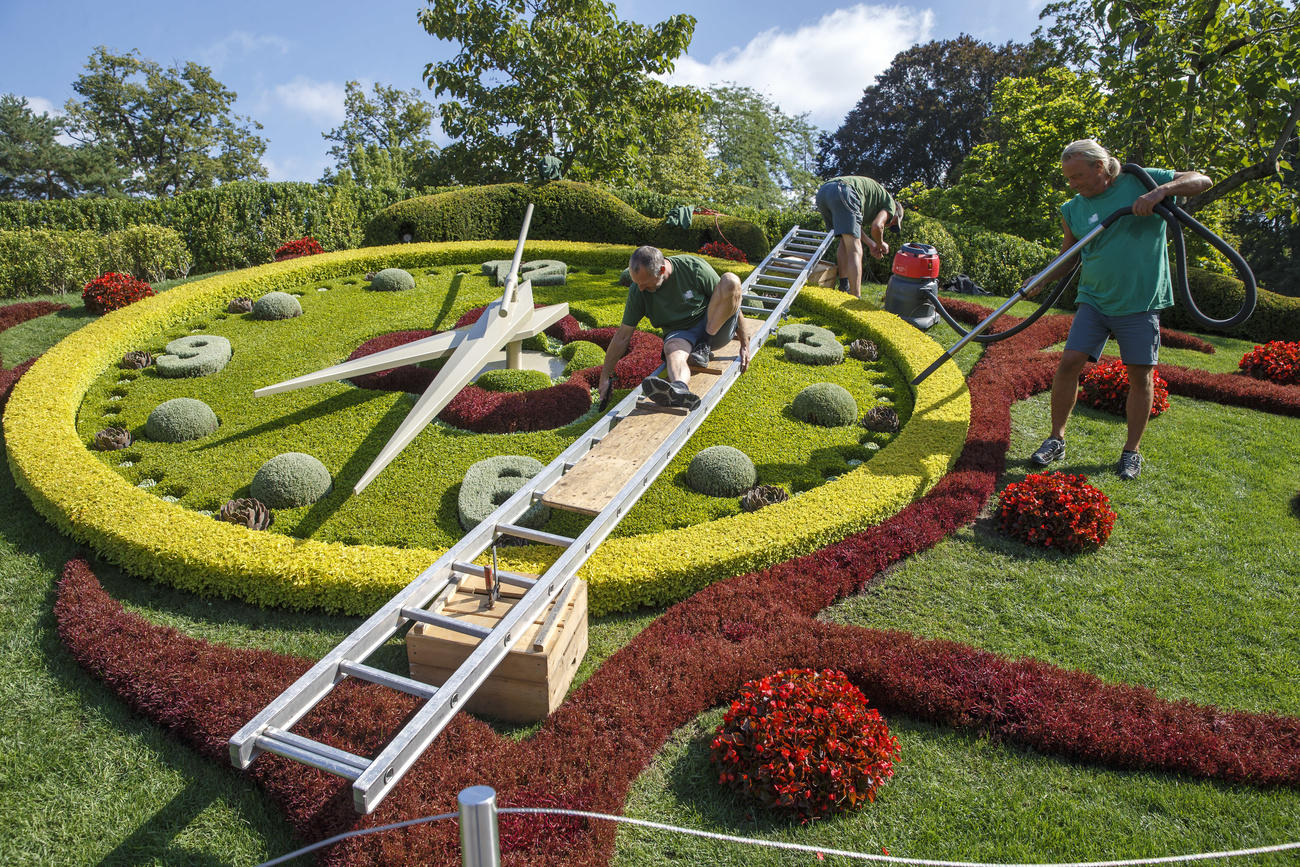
(1177, 218)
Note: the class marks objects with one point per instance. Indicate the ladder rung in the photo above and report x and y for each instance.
(534, 535)
(761, 310)
(314, 753)
(388, 679)
(782, 268)
(445, 622)
(767, 276)
(802, 247)
(515, 579)
(779, 290)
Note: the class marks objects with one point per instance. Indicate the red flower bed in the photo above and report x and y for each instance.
(804, 743)
(723, 250)
(1277, 361)
(113, 291)
(688, 660)
(294, 249)
(16, 314)
(1104, 385)
(1055, 510)
(483, 411)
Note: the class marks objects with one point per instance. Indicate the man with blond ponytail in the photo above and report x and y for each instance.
(1123, 284)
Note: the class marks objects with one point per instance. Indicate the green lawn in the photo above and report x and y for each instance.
(1195, 595)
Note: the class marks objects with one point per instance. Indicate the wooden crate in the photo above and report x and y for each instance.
(528, 684)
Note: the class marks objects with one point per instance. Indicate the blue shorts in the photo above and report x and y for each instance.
(840, 208)
(1138, 334)
(696, 332)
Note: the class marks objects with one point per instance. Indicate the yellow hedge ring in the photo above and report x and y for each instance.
(151, 538)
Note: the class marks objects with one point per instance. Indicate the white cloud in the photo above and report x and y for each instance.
(321, 100)
(239, 44)
(295, 168)
(40, 105)
(821, 68)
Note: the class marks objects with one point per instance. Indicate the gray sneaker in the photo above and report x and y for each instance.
(1130, 464)
(701, 354)
(1052, 449)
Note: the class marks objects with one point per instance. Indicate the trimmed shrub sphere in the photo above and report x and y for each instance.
(179, 420)
(810, 344)
(291, 479)
(489, 483)
(721, 471)
(392, 280)
(826, 404)
(582, 354)
(513, 380)
(276, 305)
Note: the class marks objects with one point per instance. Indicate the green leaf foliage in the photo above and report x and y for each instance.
(551, 77)
(564, 210)
(40, 261)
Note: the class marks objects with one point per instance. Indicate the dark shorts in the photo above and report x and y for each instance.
(1138, 334)
(696, 332)
(840, 208)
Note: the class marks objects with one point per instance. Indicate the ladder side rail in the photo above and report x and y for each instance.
(782, 307)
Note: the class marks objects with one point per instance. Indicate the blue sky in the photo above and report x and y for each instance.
(288, 61)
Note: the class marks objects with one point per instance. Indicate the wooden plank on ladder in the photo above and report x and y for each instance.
(601, 473)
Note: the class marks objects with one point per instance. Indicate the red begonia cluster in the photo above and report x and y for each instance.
(1105, 386)
(301, 247)
(804, 743)
(1276, 361)
(1056, 510)
(723, 250)
(113, 291)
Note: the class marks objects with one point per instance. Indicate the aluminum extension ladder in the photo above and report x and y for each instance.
(768, 292)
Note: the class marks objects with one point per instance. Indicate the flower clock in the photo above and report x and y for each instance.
(748, 585)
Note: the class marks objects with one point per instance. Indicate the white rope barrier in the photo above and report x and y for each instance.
(798, 847)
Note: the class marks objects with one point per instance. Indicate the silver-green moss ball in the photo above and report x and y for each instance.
(721, 471)
(291, 479)
(179, 420)
(276, 305)
(492, 481)
(826, 404)
(392, 280)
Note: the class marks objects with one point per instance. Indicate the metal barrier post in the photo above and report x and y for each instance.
(480, 845)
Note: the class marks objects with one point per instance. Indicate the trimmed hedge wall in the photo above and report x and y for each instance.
(230, 226)
(42, 261)
(563, 211)
(999, 262)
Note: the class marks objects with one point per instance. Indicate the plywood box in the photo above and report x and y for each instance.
(528, 684)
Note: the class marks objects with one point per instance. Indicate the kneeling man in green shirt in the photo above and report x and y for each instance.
(697, 310)
(1123, 286)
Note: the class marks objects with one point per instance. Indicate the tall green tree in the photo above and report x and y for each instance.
(567, 78)
(1211, 85)
(926, 112)
(674, 159)
(35, 165)
(384, 139)
(1013, 183)
(170, 129)
(763, 157)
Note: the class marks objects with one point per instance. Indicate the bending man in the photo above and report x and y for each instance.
(850, 204)
(1123, 285)
(697, 310)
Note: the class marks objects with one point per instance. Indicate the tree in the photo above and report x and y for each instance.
(763, 157)
(674, 160)
(1211, 85)
(34, 165)
(171, 130)
(567, 78)
(1013, 183)
(384, 141)
(926, 111)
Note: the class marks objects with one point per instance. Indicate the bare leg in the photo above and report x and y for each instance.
(849, 261)
(1065, 389)
(724, 303)
(1141, 392)
(676, 351)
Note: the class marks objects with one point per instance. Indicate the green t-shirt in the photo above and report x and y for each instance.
(680, 301)
(873, 196)
(1126, 267)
